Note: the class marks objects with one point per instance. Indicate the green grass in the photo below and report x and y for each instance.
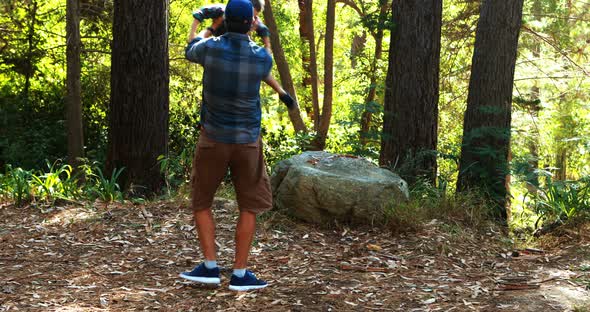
(455, 211)
(58, 182)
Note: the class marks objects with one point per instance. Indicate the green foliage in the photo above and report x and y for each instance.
(56, 183)
(15, 185)
(486, 163)
(176, 170)
(549, 125)
(22, 186)
(560, 201)
(279, 145)
(428, 202)
(105, 188)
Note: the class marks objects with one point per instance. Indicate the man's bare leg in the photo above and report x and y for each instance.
(244, 235)
(206, 230)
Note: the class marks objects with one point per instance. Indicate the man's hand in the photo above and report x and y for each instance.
(217, 22)
(288, 100)
(255, 23)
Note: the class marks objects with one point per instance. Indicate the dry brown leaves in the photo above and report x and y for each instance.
(125, 257)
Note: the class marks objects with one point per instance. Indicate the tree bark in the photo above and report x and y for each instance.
(74, 99)
(326, 114)
(367, 115)
(138, 118)
(306, 31)
(561, 164)
(282, 66)
(30, 69)
(533, 144)
(486, 129)
(410, 119)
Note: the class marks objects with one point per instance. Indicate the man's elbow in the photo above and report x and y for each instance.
(190, 52)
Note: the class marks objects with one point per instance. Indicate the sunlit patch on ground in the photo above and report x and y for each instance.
(71, 215)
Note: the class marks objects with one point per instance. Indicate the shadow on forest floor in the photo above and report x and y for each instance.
(123, 257)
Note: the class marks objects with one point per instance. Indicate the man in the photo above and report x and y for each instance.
(217, 28)
(215, 12)
(234, 67)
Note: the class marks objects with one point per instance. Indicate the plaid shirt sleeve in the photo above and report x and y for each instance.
(212, 12)
(195, 50)
(262, 30)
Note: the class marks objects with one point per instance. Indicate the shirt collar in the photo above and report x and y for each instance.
(235, 35)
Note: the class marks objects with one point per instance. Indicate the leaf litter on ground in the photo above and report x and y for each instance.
(74, 258)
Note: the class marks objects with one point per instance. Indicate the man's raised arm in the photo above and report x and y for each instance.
(194, 50)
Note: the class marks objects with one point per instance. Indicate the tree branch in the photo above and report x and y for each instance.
(353, 5)
(95, 51)
(554, 46)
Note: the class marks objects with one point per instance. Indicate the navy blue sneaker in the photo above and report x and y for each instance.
(248, 282)
(202, 275)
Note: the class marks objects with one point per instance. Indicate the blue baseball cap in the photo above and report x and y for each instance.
(239, 10)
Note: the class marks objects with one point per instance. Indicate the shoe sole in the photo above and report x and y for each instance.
(203, 280)
(245, 288)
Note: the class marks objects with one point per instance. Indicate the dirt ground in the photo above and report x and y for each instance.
(126, 257)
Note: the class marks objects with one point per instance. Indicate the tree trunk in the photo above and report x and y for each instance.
(486, 129)
(138, 118)
(310, 67)
(533, 144)
(30, 69)
(326, 115)
(561, 164)
(410, 118)
(367, 114)
(74, 99)
(282, 65)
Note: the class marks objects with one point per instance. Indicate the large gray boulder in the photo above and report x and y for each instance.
(321, 187)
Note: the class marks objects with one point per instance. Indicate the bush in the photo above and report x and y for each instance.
(428, 202)
(15, 185)
(560, 201)
(279, 145)
(98, 186)
(56, 183)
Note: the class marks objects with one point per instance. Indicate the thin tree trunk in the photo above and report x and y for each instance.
(487, 122)
(138, 117)
(30, 70)
(561, 164)
(533, 144)
(306, 30)
(563, 123)
(282, 65)
(410, 118)
(367, 114)
(74, 99)
(326, 115)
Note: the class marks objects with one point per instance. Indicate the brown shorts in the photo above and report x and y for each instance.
(248, 173)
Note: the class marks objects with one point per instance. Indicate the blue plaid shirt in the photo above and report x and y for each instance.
(233, 66)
